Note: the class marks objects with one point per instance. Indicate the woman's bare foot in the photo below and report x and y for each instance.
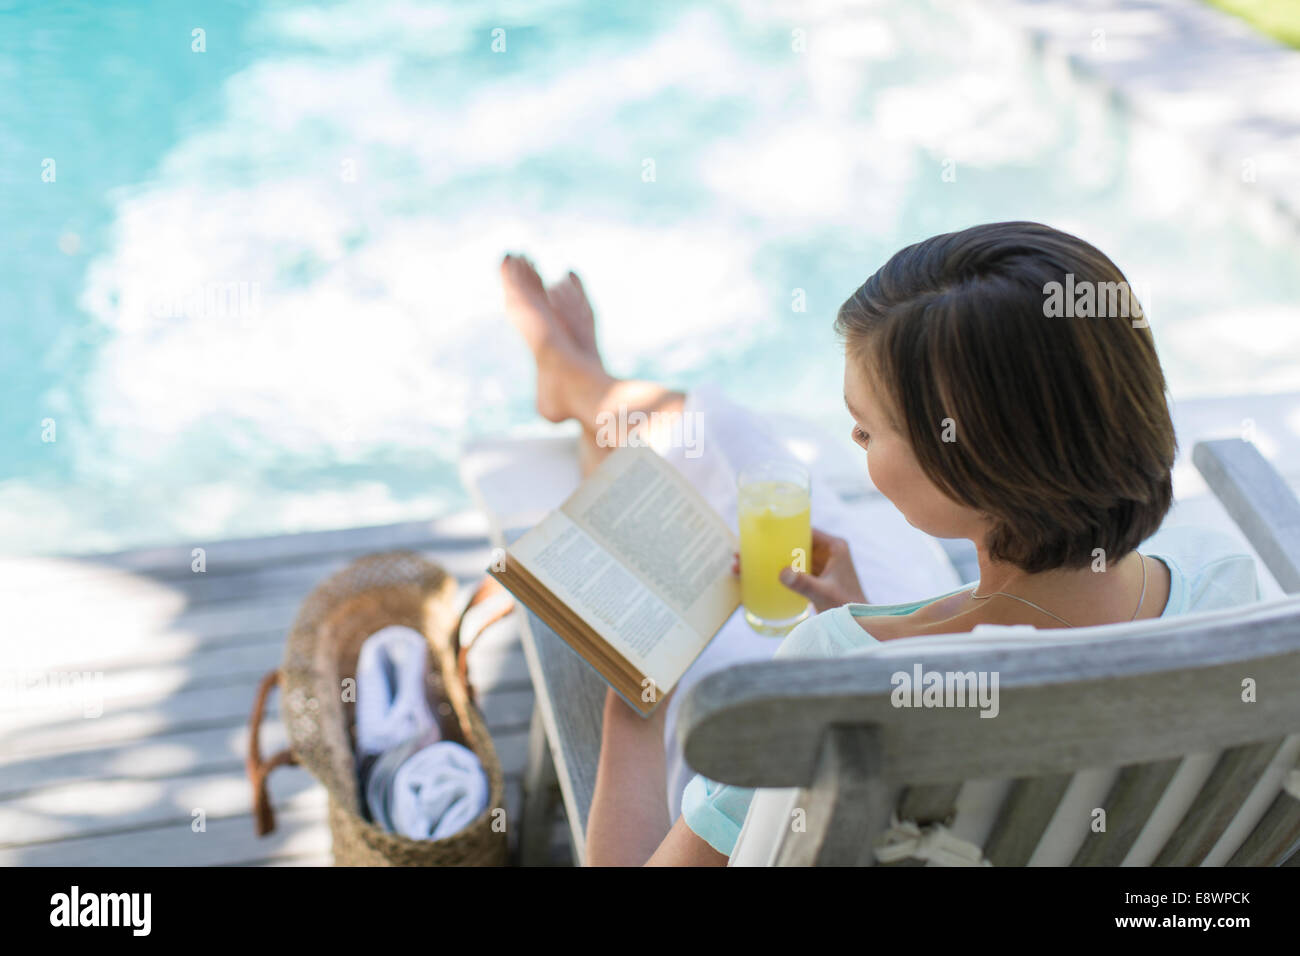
(526, 303)
(569, 301)
(562, 364)
(572, 382)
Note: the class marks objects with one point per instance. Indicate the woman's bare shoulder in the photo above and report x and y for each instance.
(937, 617)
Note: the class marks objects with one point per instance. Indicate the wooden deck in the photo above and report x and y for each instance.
(180, 654)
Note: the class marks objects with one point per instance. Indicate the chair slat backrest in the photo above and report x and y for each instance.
(1024, 818)
(1277, 830)
(1235, 775)
(1129, 804)
(1136, 697)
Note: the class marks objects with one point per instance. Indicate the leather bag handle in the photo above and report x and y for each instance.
(489, 588)
(257, 768)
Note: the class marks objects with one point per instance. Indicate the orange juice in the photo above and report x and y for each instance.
(775, 533)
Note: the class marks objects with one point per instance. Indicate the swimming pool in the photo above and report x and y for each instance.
(256, 290)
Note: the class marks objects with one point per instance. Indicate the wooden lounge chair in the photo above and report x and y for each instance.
(566, 730)
(1163, 742)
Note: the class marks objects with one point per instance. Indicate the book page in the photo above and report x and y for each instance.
(629, 616)
(640, 509)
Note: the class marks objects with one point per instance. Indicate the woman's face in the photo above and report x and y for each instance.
(895, 470)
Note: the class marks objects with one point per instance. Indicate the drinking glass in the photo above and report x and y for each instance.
(773, 510)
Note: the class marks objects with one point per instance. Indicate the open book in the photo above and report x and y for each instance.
(633, 571)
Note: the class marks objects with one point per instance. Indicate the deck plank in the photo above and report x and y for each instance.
(195, 752)
(178, 756)
(449, 534)
(129, 688)
(300, 829)
(206, 708)
(293, 579)
(134, 817)
(107, 807)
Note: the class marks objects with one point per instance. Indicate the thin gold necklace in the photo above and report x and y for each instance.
(1141, 597)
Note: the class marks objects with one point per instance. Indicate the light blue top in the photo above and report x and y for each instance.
(1207, 570)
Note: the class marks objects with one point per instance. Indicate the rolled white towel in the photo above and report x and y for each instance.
(392, 706)
(437, 791)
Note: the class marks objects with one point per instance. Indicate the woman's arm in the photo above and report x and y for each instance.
(682, 847)
(628, 822)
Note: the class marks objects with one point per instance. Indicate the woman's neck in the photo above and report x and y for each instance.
(1075, 594)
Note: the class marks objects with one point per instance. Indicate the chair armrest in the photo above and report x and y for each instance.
(570, 701)
(1259, 500)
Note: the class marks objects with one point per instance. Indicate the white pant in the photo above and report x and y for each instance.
(895, 562)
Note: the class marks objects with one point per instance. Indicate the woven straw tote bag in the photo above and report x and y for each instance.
(401, 588)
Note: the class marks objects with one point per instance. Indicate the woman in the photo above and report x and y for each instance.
(986, 415)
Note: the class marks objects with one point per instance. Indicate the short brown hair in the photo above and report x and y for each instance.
(1063, 436)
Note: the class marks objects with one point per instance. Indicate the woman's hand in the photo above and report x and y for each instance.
(833, 581)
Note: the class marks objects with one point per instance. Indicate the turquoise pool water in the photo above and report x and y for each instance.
(260, 292)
